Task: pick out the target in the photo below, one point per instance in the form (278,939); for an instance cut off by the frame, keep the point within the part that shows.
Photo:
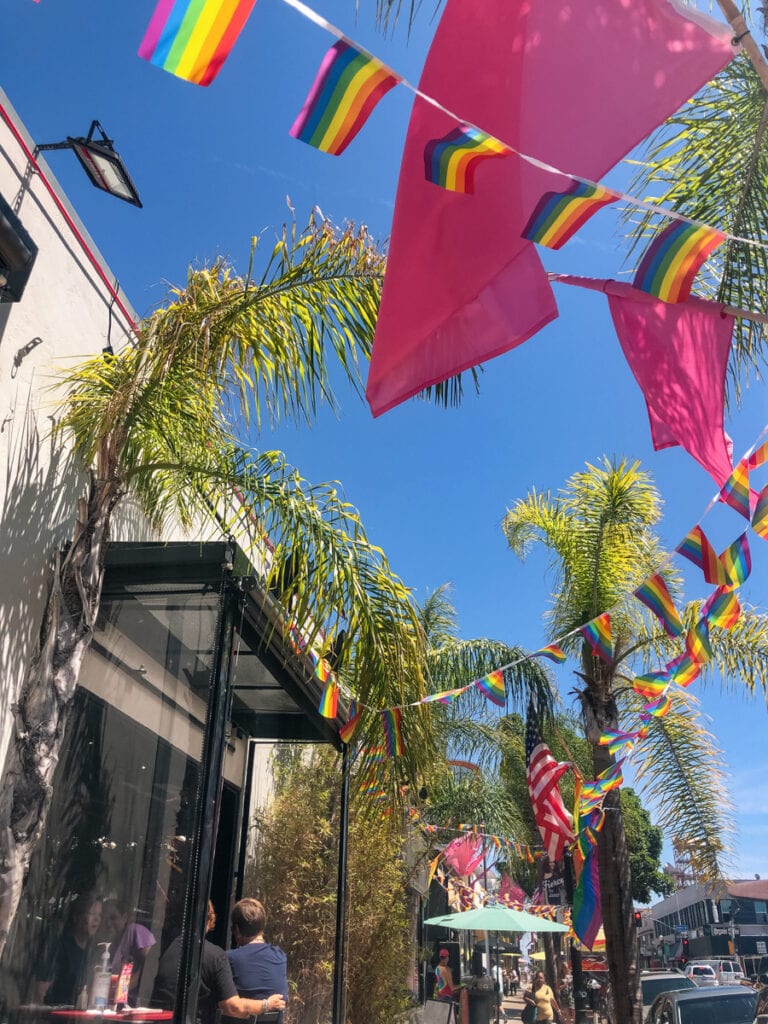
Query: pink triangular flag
(575,86)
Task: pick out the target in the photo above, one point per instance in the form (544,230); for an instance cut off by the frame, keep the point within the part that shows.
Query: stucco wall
(65,314)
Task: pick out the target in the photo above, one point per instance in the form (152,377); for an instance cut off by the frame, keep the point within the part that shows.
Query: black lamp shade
(17,255)
(105,169)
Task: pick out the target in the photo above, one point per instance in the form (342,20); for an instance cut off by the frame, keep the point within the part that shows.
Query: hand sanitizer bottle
(101,979)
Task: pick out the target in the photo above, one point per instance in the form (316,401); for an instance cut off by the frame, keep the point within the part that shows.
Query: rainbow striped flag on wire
(329,702)
(452,162)
(559,215)
(760,517)
(193,38)
(347,731)
(492,687)
(697,549)
(348,86)
(552,652)
(654,595)
(722,608)
(735,491)
(393,739)
(736,561)
(597,633)
(674,258)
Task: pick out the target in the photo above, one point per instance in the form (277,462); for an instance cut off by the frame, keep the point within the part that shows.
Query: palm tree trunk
(599,712)
(65,635)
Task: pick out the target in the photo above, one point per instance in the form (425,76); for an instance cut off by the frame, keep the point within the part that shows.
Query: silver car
(726,1004)
(702,975)
(652,983)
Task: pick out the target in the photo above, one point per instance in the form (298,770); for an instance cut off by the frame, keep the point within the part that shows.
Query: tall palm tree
(599,531)
(160,422)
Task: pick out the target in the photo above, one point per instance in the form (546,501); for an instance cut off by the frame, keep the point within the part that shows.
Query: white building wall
(66,314)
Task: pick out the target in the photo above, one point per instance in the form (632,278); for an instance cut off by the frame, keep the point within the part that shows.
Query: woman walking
(541,999)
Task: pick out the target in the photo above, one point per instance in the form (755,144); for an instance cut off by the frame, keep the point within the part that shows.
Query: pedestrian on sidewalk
(514,981)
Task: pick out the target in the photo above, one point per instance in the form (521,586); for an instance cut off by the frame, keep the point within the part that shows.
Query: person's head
(248,920)
(115,917)
(85,916)
(210,921)
(443,957)
(538,979)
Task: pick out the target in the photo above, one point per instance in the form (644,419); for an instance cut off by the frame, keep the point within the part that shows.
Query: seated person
(258,968)
(217,989)
(128,941)
(70,970)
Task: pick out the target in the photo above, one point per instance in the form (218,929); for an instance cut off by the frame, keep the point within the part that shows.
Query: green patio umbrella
(496,919)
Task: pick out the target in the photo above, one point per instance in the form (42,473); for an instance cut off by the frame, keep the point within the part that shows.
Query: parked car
(727,972)
(652,983)
(702,975)
(726,1004)
(761,1009)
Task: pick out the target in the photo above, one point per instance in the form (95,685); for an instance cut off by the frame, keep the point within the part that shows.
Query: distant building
(701,921)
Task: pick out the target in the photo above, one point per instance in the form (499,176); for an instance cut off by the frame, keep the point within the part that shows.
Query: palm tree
(599,531)
(160,422)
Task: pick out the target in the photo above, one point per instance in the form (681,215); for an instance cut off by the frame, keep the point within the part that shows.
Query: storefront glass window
(113,863)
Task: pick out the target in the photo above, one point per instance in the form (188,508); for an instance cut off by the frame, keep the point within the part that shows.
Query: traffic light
(684,956)
(638,919)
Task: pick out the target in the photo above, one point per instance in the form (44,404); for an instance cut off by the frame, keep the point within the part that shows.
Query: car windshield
(652,986)
(726,1009)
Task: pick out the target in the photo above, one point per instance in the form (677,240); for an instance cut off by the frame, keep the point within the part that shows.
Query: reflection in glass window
(113,863)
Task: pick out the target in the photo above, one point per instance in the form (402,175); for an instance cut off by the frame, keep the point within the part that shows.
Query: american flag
(543,773)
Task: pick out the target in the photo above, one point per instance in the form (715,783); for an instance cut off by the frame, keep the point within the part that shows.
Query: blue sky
(214,166)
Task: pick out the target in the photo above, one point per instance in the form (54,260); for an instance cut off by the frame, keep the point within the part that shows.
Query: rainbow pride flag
(452,161)
(445,696)
(737,561)
(684,669)
(697,549)
(652,684)
(492,687)
(193,38)
(616,740)
(674,258)
(347,731)
(348,86)
(391,720)
(559,215)
(329,702)
(722,608)
(597,633)
(654,595)
(735,490)
(758,456)
(659,708)
(553,652)
(760,517)
(697,643)
(587,916)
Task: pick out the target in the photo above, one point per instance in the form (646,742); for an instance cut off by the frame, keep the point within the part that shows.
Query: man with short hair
(258,968)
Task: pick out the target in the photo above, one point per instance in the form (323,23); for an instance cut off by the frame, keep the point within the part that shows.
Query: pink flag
(464,854)
(678,355)
(574,85)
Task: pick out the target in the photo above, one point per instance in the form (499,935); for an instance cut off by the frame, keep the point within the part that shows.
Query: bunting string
(599,190)
(721,609)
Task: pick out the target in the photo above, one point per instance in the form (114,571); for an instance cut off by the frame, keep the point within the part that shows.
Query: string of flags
(193,38)
(726,571)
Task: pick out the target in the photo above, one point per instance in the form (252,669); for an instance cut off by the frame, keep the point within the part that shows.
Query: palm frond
(438,616)
(459,662)
(681,774)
